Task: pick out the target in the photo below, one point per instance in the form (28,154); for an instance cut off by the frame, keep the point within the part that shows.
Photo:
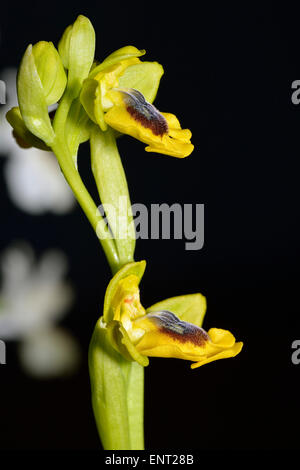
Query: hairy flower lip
(177,329)
(162,135)
(143,111)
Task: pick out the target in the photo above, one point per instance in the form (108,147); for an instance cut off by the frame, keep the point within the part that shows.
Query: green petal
(136,268)
(120,340)
(90,98)
(144,77)
(124,53)
(190,308)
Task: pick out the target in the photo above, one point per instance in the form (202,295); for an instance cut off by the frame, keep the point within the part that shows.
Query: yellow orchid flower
(138,334)
(119,92)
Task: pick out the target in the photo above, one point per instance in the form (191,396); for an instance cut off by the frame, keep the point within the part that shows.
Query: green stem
(117,384)
(72,176)
(135,404)
(87,204)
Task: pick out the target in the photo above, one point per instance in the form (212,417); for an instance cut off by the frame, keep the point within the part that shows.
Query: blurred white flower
(50,353)
(34,180)
(34,297)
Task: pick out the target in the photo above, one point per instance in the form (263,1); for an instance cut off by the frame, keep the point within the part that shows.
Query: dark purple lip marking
(183,331)
(143,112)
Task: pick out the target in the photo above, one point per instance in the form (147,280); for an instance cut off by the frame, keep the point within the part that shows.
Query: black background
(228,76)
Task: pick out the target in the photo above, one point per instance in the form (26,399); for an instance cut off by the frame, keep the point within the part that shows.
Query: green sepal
(32,100)
(137,268)
(190,308)
(127,52)
(14,118)
(144,77)
(117,394)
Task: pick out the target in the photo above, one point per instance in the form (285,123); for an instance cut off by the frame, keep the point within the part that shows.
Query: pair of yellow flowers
(119,93)
(171,328)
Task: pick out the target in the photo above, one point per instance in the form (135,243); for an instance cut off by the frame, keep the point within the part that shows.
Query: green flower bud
(51,71)
(77,49)
(22,135)
(41,81)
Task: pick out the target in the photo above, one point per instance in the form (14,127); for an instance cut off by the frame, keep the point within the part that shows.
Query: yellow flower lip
(143,112)
(165,335)
(133,115)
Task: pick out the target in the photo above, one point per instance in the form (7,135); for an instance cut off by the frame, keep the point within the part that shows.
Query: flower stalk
(86,202)
(112,186)
(117,394)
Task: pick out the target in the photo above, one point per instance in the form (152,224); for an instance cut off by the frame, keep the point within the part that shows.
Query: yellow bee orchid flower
(138,334)
(119,92)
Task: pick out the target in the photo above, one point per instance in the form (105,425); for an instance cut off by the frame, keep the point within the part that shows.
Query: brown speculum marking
(183,331)
(144,113)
